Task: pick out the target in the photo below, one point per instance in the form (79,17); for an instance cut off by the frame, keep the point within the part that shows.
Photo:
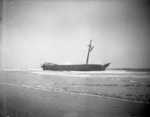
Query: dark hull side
(80,67)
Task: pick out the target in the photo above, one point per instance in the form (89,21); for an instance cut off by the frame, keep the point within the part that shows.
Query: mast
(89,50)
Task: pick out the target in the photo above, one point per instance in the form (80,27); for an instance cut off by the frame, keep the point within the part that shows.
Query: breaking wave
(101,74)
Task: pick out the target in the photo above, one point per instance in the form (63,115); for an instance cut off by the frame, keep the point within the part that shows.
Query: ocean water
(121,84)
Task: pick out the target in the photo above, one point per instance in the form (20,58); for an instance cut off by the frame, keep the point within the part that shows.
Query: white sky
(36,31)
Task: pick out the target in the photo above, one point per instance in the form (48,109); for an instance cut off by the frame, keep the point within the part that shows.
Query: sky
(58,31)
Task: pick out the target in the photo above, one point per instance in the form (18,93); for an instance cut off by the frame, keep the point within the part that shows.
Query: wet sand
(18,101)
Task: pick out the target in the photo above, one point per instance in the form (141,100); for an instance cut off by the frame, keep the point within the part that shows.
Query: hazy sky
(36,31)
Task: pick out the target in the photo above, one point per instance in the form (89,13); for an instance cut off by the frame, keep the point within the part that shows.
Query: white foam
(62,74)
(20,69)
(99,74)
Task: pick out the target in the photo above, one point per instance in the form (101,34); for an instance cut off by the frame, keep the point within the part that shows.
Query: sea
(119,84)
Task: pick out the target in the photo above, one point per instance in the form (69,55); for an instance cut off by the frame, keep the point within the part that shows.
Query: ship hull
(77,67)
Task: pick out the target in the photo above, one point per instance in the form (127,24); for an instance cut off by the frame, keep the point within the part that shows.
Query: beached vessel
(76,67)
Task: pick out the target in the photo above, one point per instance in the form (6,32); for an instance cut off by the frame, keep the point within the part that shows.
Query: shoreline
(29,102)
(75,93)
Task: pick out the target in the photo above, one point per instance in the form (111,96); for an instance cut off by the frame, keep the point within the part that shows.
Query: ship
(76,67)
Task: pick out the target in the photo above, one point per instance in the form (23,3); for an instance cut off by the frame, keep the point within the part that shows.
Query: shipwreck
(76,67)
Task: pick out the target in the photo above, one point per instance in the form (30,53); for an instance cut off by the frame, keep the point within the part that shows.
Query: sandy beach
(25,102)
(61,94)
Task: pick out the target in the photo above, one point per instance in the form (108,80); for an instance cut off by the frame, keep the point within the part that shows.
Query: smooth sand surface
(18,101)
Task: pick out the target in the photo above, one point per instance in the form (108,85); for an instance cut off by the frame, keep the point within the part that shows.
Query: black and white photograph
(74,58)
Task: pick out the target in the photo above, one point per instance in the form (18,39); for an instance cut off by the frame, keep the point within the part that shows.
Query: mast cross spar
(89,50)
